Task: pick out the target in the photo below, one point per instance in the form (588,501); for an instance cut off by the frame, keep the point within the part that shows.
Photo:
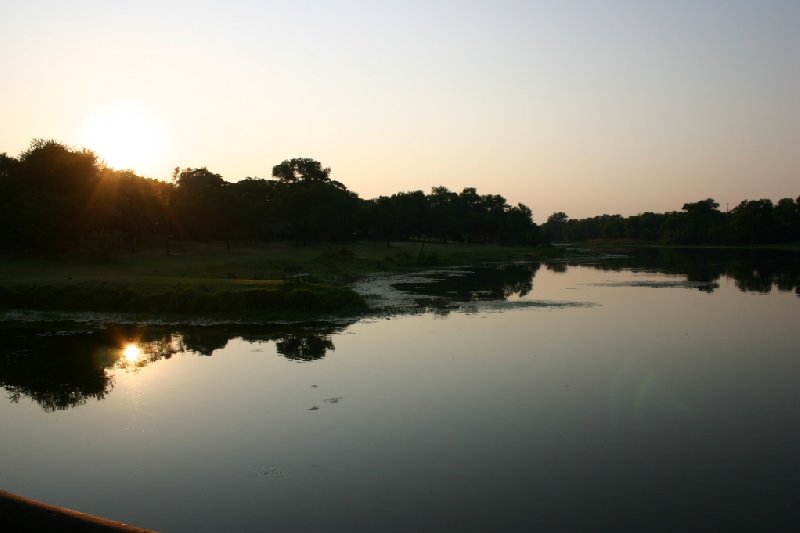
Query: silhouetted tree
(56,198)
(554,227)
(251,210)
(443,218)
(55,184)
(753,222)
(9,202)
(700,222)
(301,170)
(518,226)
(199,204)
(409,214)
(310,204)
(787,220)
(645,226)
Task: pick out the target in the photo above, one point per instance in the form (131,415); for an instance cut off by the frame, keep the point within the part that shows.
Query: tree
(495,210)
(444,219)
(699,223)
(200,203)
(753,222)
(9,201)
(554,227)
(518,227)
(252,213)
(8,166)
(310,204)
(411,212)
(301,170)
(56,183)
(199,180)
(787,218)
(645,226)
(140,205)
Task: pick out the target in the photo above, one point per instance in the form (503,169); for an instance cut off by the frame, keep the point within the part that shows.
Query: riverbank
(269,281)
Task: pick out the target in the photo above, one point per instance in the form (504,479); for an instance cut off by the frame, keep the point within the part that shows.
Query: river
(649,390)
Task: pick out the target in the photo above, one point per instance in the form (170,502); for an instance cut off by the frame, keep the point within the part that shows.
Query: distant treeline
(54,198)
(750,222)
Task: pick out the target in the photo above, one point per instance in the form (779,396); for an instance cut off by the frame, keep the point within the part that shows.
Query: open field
(275,279)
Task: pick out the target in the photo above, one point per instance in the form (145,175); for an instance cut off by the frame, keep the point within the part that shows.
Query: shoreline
(214,286)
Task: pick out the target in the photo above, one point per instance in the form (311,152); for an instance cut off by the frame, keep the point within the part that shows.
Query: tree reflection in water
(60,367)
(751,270)
(304,346)
(480,283)
(56,371)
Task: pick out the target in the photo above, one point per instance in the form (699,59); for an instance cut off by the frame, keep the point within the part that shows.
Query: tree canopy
(56,198)
(751,222)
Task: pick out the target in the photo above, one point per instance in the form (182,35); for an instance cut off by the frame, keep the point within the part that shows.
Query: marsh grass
(206,279)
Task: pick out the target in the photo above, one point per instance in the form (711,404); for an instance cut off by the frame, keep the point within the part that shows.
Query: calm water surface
(651,393)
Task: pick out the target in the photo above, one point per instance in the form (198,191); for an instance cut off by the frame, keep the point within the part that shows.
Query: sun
(126,136)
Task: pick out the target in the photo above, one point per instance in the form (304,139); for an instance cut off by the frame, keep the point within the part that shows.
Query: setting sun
(126,136)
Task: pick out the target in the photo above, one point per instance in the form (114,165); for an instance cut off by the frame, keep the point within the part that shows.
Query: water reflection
(438,292)
(204,341)
(305,346)
(752,270)
(64,367)
(131,352)
(57,371)
(59,366)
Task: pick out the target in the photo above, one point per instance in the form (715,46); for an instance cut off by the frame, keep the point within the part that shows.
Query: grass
(206,279)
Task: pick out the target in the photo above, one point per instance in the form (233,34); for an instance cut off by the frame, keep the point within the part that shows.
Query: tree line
(54,198)
(751,222)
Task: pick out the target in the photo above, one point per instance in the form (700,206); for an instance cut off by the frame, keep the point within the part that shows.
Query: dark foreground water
(651,393)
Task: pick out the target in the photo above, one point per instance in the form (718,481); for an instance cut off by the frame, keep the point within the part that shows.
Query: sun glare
(126,136)
(131,353)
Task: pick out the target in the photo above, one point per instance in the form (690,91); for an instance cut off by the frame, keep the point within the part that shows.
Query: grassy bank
(209,279)
(203,297)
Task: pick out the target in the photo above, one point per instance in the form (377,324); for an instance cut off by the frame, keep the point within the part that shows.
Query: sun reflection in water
(132,352)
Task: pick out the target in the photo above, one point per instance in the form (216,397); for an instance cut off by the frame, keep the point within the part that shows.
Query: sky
(586,107)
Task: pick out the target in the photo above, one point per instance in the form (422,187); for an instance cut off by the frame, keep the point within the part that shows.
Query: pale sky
(587,107)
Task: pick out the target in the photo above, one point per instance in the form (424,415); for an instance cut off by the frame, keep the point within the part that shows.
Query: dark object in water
(18,513)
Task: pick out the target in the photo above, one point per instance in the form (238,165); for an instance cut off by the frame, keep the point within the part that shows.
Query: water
(656,392)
